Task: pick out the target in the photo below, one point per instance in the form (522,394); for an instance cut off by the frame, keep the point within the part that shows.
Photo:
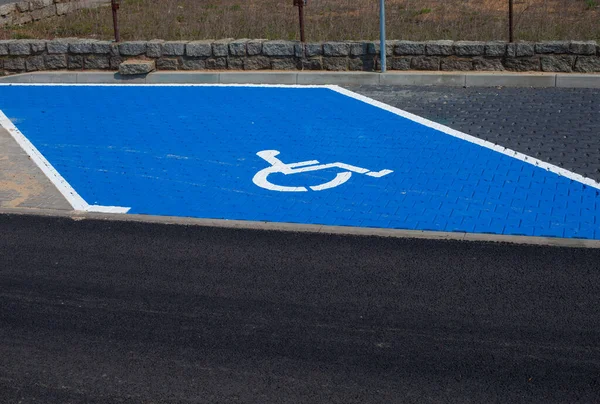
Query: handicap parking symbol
(277,166)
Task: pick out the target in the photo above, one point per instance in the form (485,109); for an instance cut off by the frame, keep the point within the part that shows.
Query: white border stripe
(483,143)
(76,201)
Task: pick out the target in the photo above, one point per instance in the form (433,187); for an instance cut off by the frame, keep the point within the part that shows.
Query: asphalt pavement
(123,312)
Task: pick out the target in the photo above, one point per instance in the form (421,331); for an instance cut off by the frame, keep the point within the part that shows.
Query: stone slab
(258,78)
(182,78)
(510,80)
(108,78)
(54,77)
(338,78)
(578,80)
(423,79)
(135,67)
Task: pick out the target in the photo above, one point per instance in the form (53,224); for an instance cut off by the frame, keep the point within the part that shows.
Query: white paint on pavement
(277,166)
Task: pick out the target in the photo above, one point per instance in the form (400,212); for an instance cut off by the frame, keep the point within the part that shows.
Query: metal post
(115,7)
(382,48)
(510,21)
(301,14)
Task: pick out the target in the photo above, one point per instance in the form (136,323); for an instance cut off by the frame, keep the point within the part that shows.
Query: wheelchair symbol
(277,166)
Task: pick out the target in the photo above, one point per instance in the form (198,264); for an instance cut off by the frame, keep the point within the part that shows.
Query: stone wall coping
(343,48)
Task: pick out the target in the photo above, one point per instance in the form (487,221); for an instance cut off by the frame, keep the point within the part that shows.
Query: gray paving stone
(20,47)
(238,47)
(520,49)
(559,47)
(495,49)
(221,48)
(167,64)
(81,47)
(55,62)
(278,48)
(154,48)
(4,47)
(136,67)
(583,47)
(359,49)
(469,48)
(134,48)
(456,65)
(335,63)
(174,48)
(562,63)
(523,64)
(487,64)
(409,48)
(402,63)
(199,49)
(101,47)
(425,63)
(97,62)
(313,49)
(336,49)
(58,46)
(587,64)
(257,63)
(439,48)
(38,46)
(254,47)
(34,63)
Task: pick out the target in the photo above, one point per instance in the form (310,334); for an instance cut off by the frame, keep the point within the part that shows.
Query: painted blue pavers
(287,154)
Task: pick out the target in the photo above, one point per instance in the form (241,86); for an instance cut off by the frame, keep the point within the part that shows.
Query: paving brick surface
(558,126)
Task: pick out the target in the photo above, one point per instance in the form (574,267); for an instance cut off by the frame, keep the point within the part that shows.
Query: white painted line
(106,209)
(472,139)
(76,201)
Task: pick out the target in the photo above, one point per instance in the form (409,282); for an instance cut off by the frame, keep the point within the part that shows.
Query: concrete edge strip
(491,79)
(306,228)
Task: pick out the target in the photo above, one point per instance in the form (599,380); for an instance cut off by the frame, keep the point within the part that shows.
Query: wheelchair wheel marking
(277,166)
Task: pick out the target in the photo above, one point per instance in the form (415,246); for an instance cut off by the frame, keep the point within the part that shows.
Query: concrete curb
(309,228)
(470,79)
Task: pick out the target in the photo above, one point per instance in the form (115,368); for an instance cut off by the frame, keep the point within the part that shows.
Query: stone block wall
(18,56)
(24,11)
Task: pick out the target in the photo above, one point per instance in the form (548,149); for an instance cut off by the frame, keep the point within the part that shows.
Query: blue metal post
(382,49)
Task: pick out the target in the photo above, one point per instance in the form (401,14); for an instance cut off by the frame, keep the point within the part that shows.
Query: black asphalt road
(122,312)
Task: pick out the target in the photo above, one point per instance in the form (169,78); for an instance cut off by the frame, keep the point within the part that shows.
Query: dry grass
(326,20)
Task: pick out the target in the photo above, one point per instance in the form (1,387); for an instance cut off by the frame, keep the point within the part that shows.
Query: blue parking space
(299,155)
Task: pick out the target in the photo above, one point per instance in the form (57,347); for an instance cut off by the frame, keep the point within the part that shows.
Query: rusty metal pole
(115,7)
(382,46)
(301,16)
(510,21)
